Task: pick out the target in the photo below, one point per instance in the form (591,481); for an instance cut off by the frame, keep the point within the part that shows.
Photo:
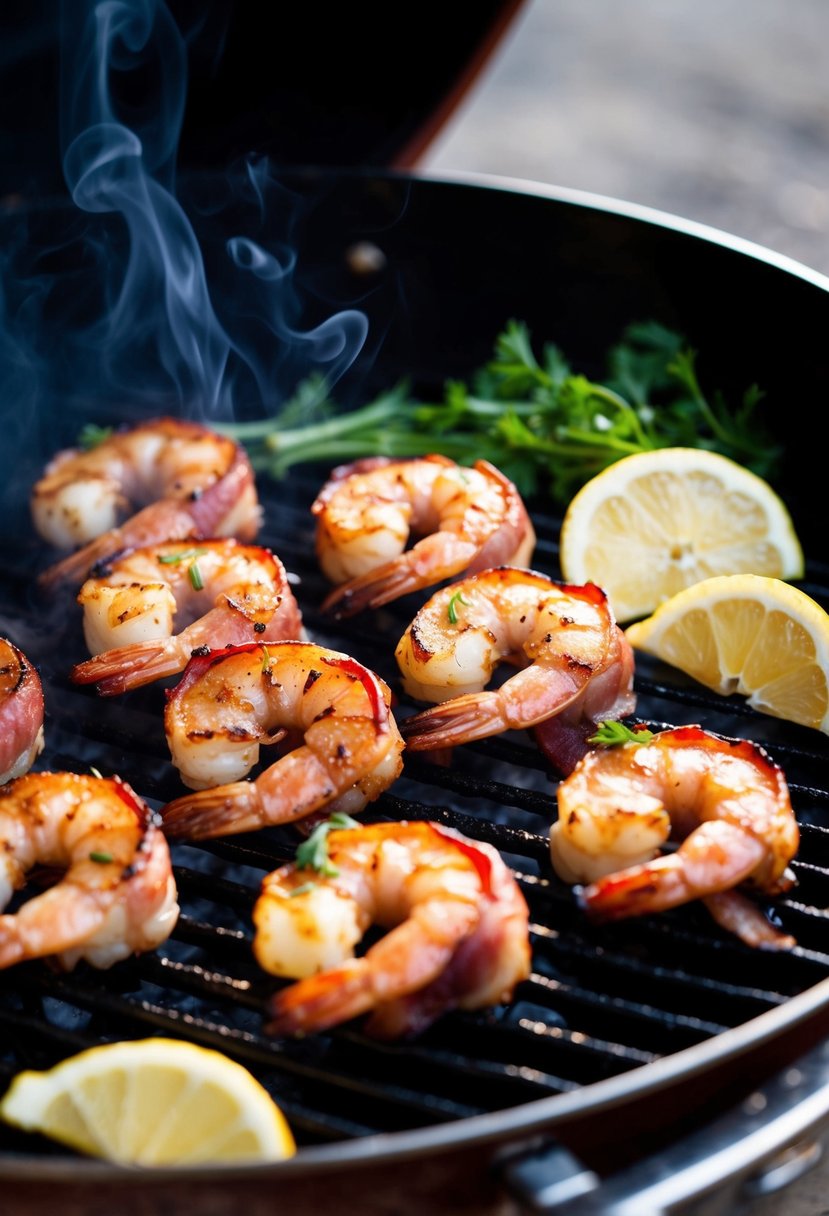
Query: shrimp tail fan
(125,667)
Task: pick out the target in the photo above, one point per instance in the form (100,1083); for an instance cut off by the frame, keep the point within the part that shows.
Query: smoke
(108,311)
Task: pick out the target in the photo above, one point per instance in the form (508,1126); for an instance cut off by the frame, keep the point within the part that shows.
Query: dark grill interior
(601,1000)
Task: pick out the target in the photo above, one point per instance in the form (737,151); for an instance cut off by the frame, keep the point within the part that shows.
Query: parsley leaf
(312,854)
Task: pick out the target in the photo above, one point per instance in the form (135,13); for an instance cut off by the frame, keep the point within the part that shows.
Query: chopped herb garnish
(451,610)
(96,772)
(92,436)
(102,858)
(304,889)
(611,734)
(266,660)
(196,580)
(312,854)
(186,555)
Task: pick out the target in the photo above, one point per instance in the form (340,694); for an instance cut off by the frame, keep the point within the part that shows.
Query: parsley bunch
(545,425)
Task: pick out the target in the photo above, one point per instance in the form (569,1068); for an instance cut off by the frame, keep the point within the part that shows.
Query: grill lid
(305,84)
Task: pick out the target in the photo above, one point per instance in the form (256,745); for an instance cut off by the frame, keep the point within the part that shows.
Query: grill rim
(538,1115)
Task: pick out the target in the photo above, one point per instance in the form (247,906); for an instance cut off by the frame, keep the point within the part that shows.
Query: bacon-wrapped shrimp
(458,936)
(724,799)
(224,593)
(570,653)
(117,896)
(21,712)
(229,702)
(467,519)
(181,479)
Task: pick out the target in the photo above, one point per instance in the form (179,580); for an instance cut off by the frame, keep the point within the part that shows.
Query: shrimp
(468,518)
(459,930)
(188,480)
(724,799)
(563,639)
(118,895)
(229,592)
(230,701)
(21,712)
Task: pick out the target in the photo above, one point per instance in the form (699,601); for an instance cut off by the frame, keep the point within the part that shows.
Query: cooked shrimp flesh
(563,639)
(224,594)
(724,800)
(331,710)
(21,712)
(117,896)
(458,930)
(466,519)
(165,479)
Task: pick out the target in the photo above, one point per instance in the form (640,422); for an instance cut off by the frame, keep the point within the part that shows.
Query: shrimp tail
(475,715)
(321,1001)
(434,558)
(75,567)
(370,590)
(739,915)
(125,667)
(178,525)
(225,809)
(478,715)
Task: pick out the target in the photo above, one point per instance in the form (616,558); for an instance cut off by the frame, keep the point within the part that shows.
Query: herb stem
(542,424)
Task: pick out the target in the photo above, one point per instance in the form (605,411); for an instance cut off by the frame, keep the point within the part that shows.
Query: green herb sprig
(547,426)
(452,609)
(92,436)
(312,854)
(194,574)
(612,734)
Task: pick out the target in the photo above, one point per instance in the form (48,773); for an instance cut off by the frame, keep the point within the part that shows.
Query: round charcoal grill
(616,1025)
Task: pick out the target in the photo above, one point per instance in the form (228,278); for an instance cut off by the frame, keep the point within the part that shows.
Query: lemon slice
(748,634)
(656,522)
(152,1102)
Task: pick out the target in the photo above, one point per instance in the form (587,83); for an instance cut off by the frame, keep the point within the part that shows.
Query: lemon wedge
(152,1102)
(747,634)
(656,522)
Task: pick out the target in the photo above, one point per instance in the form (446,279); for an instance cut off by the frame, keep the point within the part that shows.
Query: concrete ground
(715,110)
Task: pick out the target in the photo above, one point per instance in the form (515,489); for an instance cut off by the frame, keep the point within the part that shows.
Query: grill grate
(600,1001)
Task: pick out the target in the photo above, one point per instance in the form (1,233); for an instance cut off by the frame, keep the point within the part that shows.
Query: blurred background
(715,110)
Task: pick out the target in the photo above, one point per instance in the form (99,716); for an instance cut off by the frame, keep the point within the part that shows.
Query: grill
(626,1037)
(601,1001)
